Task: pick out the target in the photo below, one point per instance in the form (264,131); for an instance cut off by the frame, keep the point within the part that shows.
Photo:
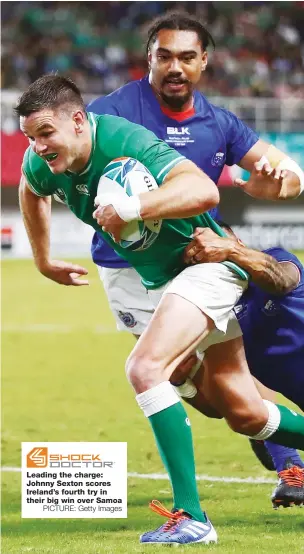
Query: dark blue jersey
(273,332)
(211,138)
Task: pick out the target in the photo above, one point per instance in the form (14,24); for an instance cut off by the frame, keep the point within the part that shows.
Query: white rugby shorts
(128,298)
(214,289)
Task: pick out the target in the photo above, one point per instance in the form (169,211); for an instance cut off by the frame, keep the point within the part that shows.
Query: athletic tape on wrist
(127,208)
(291,165)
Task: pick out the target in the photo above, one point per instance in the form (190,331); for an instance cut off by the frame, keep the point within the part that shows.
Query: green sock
(173,435)
(291,429)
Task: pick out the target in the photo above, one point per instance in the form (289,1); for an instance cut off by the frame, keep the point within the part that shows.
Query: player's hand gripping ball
(121,179)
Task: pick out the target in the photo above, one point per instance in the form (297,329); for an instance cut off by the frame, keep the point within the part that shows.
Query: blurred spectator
(259,46)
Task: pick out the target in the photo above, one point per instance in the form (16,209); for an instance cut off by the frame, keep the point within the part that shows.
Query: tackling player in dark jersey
(271,316)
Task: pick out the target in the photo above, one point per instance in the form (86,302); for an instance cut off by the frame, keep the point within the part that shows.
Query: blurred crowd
(101,45)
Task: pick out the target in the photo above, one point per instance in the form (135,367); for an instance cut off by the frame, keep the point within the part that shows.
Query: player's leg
(165,341)
(280,456)
(128,298)
(259,447)
(290,468)
(286,461)
(226,377)
(177,326)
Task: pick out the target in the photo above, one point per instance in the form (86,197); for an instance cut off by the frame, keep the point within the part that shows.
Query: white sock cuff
(273,422)
(158,398)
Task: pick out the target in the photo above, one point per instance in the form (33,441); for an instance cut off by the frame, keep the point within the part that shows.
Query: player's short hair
(49,91)
(179,21)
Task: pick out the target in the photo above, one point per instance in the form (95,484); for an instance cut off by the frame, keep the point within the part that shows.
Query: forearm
(264,270)
(184,195)
(36,212)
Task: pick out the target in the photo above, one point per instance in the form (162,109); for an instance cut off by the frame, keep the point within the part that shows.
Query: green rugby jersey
(115,137)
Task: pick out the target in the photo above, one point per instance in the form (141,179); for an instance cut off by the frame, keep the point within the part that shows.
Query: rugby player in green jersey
(67,155)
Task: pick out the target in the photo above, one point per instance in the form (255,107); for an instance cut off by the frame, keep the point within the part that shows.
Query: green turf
(68,384)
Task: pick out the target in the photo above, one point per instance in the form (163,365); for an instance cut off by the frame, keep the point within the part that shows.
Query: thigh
(194,304)
(214,288)
(128,298)
(227,381)
(177,326)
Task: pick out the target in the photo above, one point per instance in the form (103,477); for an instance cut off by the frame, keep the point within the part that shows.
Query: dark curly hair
(179,21)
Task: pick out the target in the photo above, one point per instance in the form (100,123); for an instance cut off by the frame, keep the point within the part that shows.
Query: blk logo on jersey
(218,159)
(178,131)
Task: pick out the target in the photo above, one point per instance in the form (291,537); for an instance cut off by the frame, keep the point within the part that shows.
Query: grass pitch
(63,380)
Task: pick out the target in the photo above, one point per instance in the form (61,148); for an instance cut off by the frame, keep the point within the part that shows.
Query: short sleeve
(239,137)
(282,255)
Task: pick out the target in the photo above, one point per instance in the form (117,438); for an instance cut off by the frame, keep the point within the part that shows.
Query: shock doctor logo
(39,457)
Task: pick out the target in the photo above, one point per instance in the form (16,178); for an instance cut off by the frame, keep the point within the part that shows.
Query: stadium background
(62,359)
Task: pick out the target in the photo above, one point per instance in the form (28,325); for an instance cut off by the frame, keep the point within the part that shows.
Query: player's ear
(149,59)
(204,60)
(79,119)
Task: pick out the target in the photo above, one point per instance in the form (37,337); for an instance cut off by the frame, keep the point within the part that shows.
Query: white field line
(56,328)
(164,477)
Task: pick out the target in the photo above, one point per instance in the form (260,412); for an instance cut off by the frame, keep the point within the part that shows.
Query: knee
(142,371)
(248,421)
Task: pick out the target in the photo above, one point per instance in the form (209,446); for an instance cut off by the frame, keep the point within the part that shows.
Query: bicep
(291,274)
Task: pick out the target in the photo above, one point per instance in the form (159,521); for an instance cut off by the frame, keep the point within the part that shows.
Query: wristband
(127,208)
(291,165)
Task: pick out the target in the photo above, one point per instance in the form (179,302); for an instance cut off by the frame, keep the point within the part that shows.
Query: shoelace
(294,476)
(173,517)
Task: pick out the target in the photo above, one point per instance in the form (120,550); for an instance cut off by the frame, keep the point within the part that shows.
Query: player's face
(54,136)
(176,60)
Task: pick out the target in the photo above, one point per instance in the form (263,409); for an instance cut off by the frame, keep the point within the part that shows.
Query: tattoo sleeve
(275,277)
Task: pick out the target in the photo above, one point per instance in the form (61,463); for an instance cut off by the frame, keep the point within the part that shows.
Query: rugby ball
(125,177)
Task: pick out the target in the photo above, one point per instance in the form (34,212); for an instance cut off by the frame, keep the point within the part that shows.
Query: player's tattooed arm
(275,277)
(36,212)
